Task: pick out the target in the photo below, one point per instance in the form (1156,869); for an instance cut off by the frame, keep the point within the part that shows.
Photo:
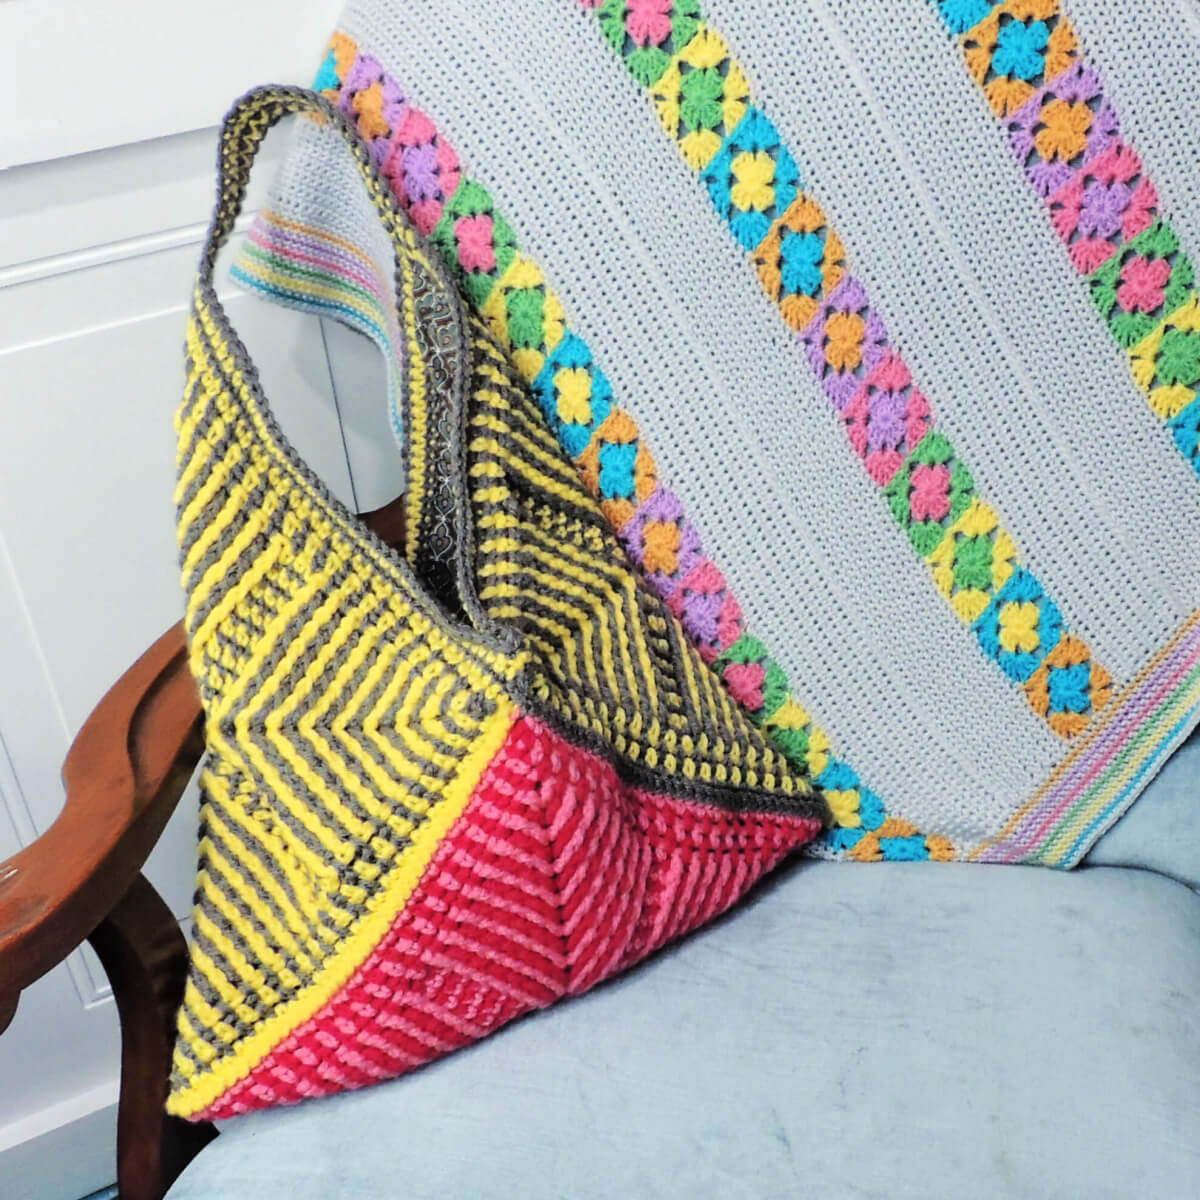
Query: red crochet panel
(556,876)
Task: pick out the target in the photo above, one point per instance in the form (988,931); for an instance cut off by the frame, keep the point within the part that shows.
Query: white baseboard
(62,1152)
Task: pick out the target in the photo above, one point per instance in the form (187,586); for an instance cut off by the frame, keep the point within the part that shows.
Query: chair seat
(892,1030)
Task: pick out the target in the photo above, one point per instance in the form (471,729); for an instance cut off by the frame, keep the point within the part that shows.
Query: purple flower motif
(1103,206)
(886,426)
(420,172)
(700,613)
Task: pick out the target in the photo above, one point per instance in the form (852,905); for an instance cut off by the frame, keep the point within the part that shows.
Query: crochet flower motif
(703,92)
(802,255)
(961,15)
(649,21)
(753,677)
(1103,206)
(1143,283)
(973,561)
(1064,132)
(1020,48)
(1019,627)
(574,388)
(1179,358)
(745,684)
(844,340)
(754,171)
(1069,687)
(929,498)
(476,252)
(707,611)
(662,541)
(660,547)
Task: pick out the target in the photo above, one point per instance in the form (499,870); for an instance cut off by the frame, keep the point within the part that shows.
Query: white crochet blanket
(873,326)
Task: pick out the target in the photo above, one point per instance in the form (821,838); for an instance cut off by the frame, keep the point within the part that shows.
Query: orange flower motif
(844,341)
(661,552)
(1064,130)
(368,107)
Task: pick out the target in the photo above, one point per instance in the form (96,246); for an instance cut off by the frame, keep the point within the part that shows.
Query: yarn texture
(441,790)
(850,318)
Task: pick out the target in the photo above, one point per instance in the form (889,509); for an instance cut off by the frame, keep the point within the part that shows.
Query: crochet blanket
(875,330)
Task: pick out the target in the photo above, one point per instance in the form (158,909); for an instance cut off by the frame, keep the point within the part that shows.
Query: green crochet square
(930,492)
(1142,283)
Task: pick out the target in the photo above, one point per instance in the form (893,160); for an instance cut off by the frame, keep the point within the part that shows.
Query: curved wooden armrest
(82,878)
(124,774)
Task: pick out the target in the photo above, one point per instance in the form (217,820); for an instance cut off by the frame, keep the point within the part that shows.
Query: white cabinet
(97,249)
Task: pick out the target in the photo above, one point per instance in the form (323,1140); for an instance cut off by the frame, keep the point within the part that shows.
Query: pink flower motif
(475,249)
(730,625)
(416,129)
(1142,283)
(745,684)
(930,495)
(649,21)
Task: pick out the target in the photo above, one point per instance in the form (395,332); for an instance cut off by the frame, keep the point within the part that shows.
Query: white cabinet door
(98,243)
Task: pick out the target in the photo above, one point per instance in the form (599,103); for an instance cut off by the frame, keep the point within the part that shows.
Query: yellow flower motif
(1065,130)
(818,751)
(1018,627)
(754,171)
(844,807)
(574,388)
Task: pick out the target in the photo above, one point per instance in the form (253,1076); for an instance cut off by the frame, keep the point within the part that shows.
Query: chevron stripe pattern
(439,791)
(612,661)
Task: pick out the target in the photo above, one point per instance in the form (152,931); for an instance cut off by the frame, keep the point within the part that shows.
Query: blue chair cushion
(893,1030)
(1161,832)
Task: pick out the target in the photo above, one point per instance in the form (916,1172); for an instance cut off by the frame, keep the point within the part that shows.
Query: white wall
(99,231)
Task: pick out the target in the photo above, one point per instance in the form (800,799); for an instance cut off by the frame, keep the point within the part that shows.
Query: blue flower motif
(1019,49)
(617,461)
(842,841)
(801,254)
(1070,688)
(961,15)
(903,849)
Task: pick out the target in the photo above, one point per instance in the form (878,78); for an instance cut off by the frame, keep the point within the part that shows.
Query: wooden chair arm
(124,774)
(82,878)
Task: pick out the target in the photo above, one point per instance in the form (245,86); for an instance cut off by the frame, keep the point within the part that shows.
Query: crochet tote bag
(444,790)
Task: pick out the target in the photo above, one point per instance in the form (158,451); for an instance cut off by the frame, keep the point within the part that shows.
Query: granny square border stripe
(1065,132)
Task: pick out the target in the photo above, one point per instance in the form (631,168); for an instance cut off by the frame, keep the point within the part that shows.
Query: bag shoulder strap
(230,447)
